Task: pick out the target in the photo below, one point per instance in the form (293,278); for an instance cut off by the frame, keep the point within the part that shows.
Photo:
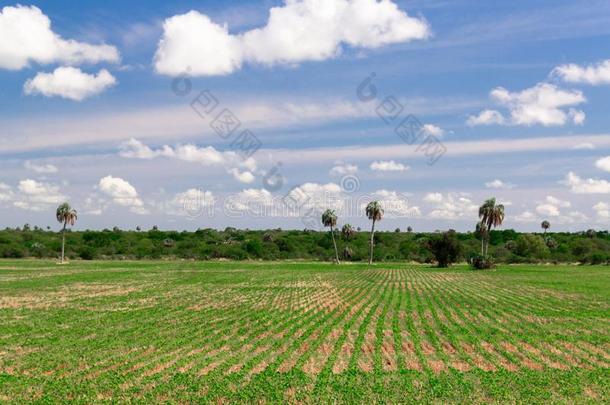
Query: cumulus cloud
(603,164)
(596,74)
(451,206)
(297,31)
(43,169)
(499,185)
(551,206)
(579,185)
(192,202)
(395,205)
(388,166)
(6,192)
(242,176)
(486,117)
(525,217)
(433,130)
(602,210)
(70,83)
(544,104)
(37,196)
(342,169)
(206,156)
(26,36)
(122,193)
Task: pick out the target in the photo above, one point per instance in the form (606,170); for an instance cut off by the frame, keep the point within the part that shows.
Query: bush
(446,248)
(479,262)
(532,246)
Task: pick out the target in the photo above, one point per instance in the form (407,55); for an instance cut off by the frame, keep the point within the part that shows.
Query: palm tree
(374,212)
(347,232)
(545,225)
(66,215)
(492,215)
(329,218)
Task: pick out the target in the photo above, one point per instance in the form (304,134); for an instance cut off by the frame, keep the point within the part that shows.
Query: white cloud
(243,177)
(37,196)
(122,193)
(548,209)
(525,217)
(70,83)
(45,169)
(542,104)
(486,117)
(297,31)
(433,130)
(551,206)
(207,156)
(433,197)
(579,185)
(342,169)
(388,166)
(597,74)
(451,206)
(192,202)
(603,164)
(584,146)
(314,198)
(499,185)
(395,205)
(6,193)
(255,202)
(602,210)
(577,116)
(26,36)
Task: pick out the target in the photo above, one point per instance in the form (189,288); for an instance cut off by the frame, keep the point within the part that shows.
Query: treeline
(506,246)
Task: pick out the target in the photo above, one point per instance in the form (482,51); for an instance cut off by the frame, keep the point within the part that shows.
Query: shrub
(446,248)
(532,246)
(479,262)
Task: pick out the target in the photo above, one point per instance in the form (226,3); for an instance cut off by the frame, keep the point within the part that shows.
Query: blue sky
(515,94)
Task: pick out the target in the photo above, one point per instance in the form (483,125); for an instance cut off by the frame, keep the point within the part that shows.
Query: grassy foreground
(284,332)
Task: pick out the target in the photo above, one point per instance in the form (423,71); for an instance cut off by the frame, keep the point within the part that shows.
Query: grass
(302,332)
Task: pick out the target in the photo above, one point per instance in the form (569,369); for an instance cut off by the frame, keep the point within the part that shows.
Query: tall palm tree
(329,218)
(66,215)
(347,232)
(545,225)
(492,215)
(374,212)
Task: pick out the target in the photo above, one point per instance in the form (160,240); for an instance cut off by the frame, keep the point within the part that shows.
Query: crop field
(302,333)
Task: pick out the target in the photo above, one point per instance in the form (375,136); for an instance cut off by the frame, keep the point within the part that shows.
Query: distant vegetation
(505,246)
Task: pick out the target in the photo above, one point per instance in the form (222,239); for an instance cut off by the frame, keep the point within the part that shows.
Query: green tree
(446,248)
(532,247)
(329,218)
(66,215)
(492,215)
(374,212)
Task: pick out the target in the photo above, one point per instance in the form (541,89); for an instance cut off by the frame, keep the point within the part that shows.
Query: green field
(302,332)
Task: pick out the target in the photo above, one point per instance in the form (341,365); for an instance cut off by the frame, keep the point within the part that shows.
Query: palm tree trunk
(63,242)
(332,234)
(372,242)
(482,245)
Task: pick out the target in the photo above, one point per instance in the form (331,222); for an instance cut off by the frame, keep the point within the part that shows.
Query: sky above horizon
(196,114)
